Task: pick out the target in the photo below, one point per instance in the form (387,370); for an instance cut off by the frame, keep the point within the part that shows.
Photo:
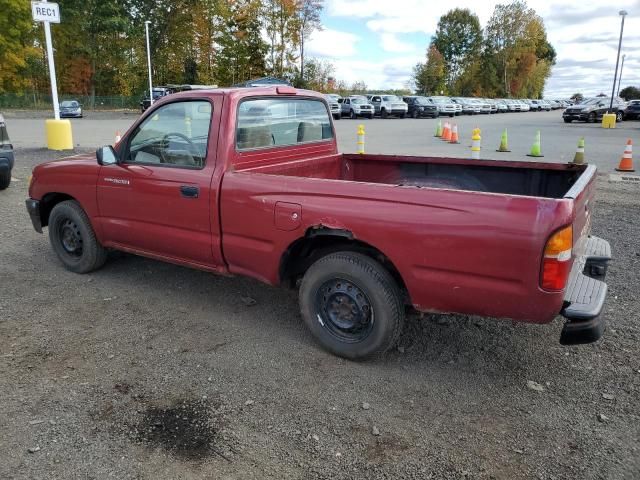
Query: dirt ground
(150,371)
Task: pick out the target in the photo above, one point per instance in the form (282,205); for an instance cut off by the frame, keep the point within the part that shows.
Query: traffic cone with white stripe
(454,134)
(446,133)
(578,159)
(626,162)
(438,132)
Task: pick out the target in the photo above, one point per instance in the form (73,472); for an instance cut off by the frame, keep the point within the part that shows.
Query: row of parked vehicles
(415,106)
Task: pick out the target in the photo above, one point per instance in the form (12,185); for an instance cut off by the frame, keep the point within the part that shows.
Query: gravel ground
(148,370)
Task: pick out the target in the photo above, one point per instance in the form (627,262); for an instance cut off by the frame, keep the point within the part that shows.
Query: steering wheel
(180,135)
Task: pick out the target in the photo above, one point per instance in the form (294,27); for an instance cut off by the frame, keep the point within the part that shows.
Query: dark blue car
(6,156)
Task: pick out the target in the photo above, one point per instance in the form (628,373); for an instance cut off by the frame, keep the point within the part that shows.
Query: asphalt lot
(147,370)
(604,147)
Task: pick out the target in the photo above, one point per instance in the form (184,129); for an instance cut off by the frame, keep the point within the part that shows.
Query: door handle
(189,191)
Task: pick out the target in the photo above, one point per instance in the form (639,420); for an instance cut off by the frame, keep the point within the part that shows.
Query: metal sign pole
(52,71)
(146,27)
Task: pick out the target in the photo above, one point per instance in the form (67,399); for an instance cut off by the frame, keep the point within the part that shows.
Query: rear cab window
(279,122)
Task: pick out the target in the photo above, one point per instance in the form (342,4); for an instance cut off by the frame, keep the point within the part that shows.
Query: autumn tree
(430,77)
(516,45)
(308,20)
(280,22)
(458,38)
(317,74)
(17,47)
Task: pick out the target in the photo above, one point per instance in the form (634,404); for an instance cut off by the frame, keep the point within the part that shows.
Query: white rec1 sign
(45,12)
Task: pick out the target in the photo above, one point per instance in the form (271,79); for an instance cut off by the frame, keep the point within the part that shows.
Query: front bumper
(33,207)
(585,295)
(576,116)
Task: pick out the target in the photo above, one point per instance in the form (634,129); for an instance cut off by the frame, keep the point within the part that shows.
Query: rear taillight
(556,263)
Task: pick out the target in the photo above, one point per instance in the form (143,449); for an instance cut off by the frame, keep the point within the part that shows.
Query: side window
(281,122)
(375,99)
(347,101)
(174,135)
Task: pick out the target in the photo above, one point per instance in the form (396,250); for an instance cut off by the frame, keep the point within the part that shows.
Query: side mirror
(106,155)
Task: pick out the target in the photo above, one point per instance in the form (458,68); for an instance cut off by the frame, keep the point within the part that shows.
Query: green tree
(317,74)
(280,23)
(577,97)
(630,93)
(16,44)
(430,77)
(458,38)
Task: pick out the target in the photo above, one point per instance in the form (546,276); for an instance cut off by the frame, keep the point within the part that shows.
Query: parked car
(386,105)
(513,105)
(592,109)
(545,105)
(502,105)
(6,155)
(158,93)
(334,106)
(419,106)
(444,104)
(632,112)
(357,106)
(493,107)
(525,106)
(467,107)
(483,104)
(70,109)
(283,206)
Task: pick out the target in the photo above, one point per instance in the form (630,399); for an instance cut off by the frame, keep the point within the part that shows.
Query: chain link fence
(44,102)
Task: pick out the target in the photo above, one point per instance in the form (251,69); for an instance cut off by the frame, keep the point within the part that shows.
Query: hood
(74,163)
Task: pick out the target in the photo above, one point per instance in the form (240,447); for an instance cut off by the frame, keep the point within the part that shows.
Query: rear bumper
(33,207)
(586,294)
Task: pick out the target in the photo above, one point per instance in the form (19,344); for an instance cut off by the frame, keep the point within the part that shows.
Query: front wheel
(619,116)
(592,117)
(384,114)
(352,305)
(567,120)
(73,239)
(352,115)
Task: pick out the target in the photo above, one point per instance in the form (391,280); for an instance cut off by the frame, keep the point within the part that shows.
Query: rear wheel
(592,117)
(5,178)
(414,114)
(73,239)
(619,116)
(352,115)
(352,305)
(383,113)
(568,120)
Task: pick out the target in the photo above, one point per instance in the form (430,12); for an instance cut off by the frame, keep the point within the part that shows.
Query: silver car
(445,105)
(334,106)
(386,105)
(357,106)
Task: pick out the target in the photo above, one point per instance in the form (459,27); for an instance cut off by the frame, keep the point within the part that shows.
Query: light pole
(622,13)
(620,77)
(146,28)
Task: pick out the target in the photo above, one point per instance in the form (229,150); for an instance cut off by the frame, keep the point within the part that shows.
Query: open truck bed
(464,236)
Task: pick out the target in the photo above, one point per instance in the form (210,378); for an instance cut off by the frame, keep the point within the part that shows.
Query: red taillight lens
(556,264)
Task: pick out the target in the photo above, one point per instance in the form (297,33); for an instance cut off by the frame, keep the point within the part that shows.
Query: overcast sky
(379,41)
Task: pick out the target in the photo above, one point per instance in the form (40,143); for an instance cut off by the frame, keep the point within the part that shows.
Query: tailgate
(582,193)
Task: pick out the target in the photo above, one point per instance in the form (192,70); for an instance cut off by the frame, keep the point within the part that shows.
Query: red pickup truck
(250,182)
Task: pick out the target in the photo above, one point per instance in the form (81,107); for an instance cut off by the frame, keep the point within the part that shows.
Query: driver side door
(157,200)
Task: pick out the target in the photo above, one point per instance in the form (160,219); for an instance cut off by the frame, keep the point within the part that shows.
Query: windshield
(438,100)
(390,98)
(591,101)
(69,104)
(359,101)
(422,101)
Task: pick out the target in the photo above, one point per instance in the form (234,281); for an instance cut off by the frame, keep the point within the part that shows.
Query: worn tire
(5,178)
(383,297)
(69,217)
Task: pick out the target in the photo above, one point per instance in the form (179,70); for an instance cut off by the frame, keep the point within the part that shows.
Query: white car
(445,105)
(356,106)
(334,106)
(386,105)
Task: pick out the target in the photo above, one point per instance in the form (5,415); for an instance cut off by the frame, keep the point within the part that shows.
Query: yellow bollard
(609,120)
(361,138)
(475,144)
(59,135)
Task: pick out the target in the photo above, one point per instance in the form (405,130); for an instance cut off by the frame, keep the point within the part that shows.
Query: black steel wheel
(73,239)
(592,117)
(352,305)
(619,116)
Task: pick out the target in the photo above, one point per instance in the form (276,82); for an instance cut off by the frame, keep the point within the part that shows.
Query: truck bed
(505,177)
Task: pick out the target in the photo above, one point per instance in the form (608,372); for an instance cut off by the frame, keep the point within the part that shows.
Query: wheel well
(49,201)
(318,243)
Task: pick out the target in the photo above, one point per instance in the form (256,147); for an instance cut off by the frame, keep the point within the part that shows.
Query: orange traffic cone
(454,134)
(118,137)
(446,133)
(626,162)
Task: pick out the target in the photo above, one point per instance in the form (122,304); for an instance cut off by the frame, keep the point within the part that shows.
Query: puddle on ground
(184,429)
